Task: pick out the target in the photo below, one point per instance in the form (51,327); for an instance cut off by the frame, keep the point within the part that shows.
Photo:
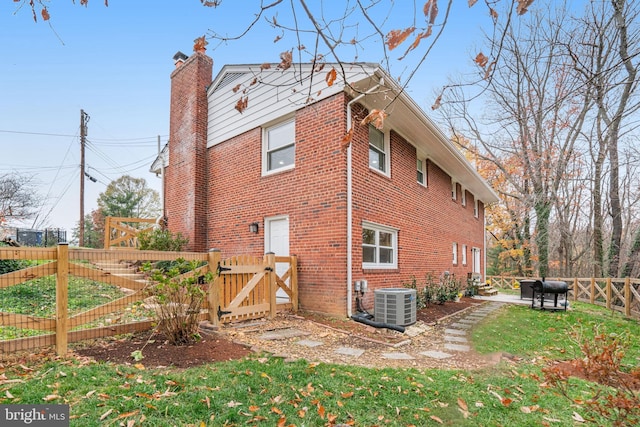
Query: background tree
(18,198)
(533,115)
(606,58)
(93,230)
(401,34)
(130,198)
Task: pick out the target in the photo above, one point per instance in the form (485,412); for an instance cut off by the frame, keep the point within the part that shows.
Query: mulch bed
(215,348)
(158,352)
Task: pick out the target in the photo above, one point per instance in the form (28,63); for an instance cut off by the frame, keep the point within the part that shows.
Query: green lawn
(262,390)
(38,298)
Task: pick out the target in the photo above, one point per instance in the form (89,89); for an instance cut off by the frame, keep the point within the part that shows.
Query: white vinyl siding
(268,100)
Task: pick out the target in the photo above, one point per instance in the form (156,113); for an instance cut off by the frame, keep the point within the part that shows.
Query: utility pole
(84,119)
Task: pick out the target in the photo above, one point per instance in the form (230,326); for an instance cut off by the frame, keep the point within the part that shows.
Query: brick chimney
(186,174)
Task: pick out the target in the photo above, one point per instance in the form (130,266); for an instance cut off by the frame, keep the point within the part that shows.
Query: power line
(36,133)
(101,141)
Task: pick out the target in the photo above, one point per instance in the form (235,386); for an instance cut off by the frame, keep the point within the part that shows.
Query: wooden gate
(246,287)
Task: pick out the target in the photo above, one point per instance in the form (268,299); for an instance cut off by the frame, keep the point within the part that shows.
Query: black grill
(545,289)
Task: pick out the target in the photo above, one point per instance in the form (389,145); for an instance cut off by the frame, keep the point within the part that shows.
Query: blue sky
(114,62)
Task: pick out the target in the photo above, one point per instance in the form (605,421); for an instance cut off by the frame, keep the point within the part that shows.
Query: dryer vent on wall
(396,306)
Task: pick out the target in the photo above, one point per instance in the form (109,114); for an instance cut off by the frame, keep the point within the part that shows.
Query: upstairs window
(475,207)
(378,151)
(279,147)
(379,246)
(454,193)
(421,175)
(463,196)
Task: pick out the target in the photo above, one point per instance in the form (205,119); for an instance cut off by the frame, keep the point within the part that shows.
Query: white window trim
(476,211)
(394,243)
(476,260)
(386,139)
(463,196)
(454,190)
(265,142)
(455,253)
(424,173)
(464,254)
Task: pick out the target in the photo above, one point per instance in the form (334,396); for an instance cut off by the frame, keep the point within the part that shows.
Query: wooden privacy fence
(622,295)
(243,287)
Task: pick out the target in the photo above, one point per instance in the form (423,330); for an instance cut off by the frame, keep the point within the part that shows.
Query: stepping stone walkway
(436,354)
(350,351)
(282,334)
(309,343)
(398,356)
(454,337)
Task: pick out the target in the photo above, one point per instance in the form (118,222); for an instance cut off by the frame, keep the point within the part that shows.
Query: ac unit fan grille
(395,306)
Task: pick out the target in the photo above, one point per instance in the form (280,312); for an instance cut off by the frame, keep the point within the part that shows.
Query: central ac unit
(395,306)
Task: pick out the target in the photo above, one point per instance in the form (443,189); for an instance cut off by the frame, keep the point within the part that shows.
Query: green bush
(179,300)
(420,301)
(446,288)
(162,240)
(9,265)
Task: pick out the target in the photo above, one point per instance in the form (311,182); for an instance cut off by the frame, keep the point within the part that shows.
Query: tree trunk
(634,257)
(543,212)
(598,239)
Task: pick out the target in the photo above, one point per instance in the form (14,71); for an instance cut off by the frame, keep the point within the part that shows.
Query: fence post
(608,292)
(627,297)
(272,284)
(214,287)
(107,232)
(62,295)
(592,297)
(576,289)
(294,283)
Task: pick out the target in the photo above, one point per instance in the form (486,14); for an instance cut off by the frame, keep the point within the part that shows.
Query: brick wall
(313,195)
(185,202)
(428,219)
(213,195)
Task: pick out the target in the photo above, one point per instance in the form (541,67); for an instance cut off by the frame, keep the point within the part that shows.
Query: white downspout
(484,250)
(350,202)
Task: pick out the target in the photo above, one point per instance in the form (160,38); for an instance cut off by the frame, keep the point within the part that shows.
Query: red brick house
(256,163)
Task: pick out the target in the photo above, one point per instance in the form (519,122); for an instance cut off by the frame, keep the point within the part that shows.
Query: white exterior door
(277,241)
(476,260)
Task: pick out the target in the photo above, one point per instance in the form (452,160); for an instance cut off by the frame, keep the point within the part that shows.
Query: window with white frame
(454,193)
(464,254)
(476,259)
(463,196)
(279,147)
(455,253)
(378,151)
(379,246)
(475,207)
(421,174)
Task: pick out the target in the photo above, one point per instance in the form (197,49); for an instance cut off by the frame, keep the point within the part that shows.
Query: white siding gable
(274,94)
